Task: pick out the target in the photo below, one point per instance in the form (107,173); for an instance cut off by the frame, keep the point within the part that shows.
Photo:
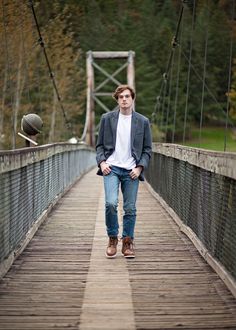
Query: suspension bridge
(53,270)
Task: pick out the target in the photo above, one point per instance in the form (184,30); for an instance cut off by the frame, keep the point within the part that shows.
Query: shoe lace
(128,244)
(113,241)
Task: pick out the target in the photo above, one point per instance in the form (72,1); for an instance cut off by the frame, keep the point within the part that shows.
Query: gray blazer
(141,141)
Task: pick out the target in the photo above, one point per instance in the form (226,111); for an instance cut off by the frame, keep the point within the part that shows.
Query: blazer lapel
(114,122)
(133,127)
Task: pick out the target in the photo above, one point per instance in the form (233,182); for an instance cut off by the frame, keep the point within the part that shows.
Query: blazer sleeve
(100,155)
(147,146)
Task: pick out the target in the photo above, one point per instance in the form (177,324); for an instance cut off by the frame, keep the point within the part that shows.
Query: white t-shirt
(122,157)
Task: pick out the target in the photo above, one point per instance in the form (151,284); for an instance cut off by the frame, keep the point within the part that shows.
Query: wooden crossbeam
(102,105)
(112,75)
(111,55)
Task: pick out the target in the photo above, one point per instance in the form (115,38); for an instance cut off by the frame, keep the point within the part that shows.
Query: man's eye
(124,96)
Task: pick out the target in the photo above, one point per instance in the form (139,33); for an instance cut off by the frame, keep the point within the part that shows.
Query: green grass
(212,138)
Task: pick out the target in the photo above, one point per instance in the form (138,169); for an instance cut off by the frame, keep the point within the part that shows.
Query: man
(123,152)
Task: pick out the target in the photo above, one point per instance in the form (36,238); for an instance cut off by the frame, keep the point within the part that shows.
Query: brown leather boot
(111,250)
(128,247)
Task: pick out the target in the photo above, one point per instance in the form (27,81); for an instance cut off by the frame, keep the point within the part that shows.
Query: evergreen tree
(71,28)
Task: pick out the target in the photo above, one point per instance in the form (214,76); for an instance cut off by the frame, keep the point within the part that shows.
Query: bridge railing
(198,187)
(31,181)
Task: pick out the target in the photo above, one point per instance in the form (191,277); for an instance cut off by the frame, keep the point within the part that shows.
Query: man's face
(125,100)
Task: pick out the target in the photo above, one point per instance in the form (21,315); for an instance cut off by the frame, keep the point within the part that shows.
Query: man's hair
(121,88)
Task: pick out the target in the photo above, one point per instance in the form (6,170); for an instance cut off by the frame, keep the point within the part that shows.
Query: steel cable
(203,83)
(51,74)
(174,43)
(229,75)
(189,72)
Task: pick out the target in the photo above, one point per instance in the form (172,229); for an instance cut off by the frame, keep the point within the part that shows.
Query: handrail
(223,163)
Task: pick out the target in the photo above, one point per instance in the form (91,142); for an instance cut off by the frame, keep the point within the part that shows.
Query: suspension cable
(189,71)
(5,80)
(174,43)
(206,86)
(229,76)
(203,81)
(163,101)
(8,78)
(38,78)
(26,67)
(169,97)
(51,74)
(177,88)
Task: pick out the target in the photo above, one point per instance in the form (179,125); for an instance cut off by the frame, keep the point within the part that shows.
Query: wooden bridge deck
(62,280)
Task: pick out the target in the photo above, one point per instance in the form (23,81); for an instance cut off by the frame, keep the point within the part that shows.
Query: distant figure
(123,152)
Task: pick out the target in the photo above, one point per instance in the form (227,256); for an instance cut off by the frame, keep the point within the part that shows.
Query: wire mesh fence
(30,181)
(205,201)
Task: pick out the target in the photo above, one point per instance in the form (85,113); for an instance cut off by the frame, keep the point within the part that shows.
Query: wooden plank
(45,287)
(170,285)
(106,298)
(177,289)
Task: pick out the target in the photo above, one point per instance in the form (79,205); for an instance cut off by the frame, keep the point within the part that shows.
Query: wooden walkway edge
(62,280)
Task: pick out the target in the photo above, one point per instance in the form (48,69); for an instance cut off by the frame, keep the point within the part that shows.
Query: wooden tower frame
(93,92)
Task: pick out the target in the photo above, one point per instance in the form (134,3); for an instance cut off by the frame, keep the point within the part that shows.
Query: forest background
(194,96)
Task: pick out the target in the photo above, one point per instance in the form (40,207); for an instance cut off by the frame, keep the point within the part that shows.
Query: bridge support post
(130,70)
(90,117)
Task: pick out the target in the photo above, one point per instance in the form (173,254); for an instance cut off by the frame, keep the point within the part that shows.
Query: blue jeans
(129,187)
